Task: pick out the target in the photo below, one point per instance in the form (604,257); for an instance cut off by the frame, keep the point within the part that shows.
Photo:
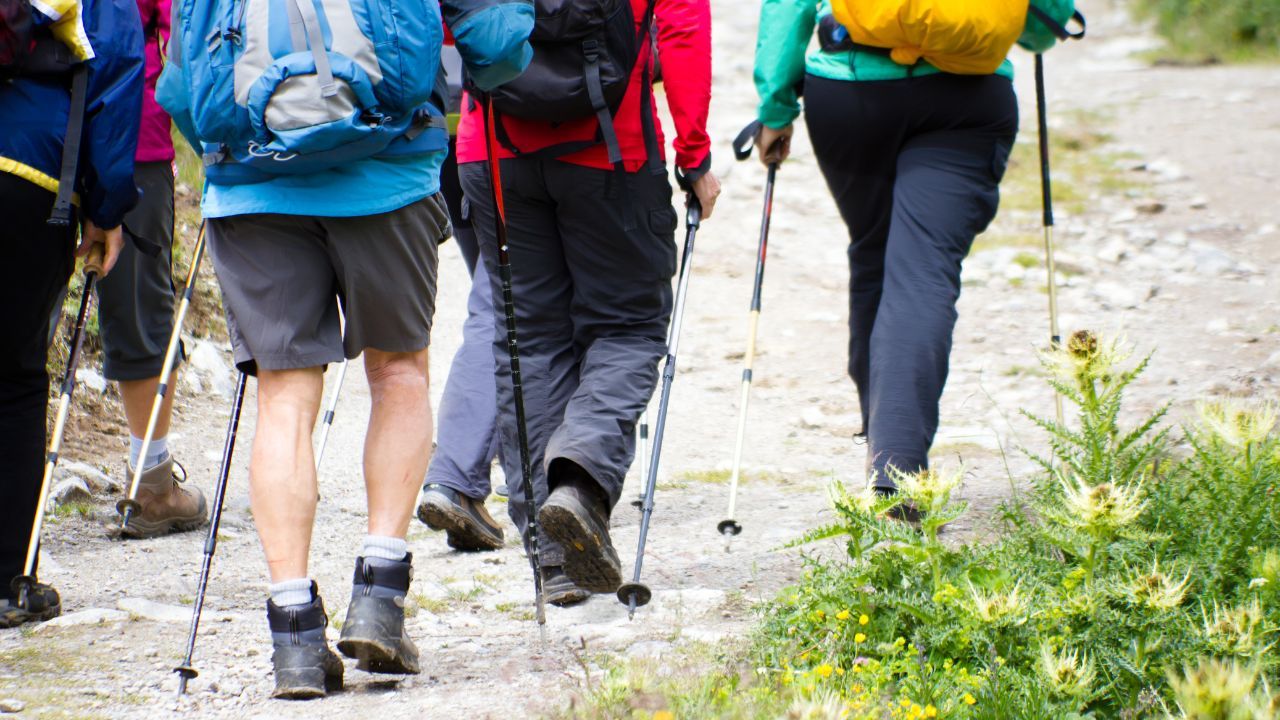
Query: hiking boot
(465,521)
(559,590)
(373,632)
(167,506)
(43,603)
(576,515)
(305,667)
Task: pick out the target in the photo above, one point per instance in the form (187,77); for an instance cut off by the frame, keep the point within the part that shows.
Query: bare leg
(138,396)
(397,447)
(282,474)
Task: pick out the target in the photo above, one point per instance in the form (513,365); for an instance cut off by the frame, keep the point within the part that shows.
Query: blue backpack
(277,87)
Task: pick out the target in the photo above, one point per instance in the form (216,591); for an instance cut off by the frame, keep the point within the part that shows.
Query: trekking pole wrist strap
(685,178)
(746,140)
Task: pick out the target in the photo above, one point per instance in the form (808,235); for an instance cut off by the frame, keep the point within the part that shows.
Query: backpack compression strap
(61,215)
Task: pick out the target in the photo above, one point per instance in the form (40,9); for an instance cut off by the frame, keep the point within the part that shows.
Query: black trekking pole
(129,505)
(1046,198)
(742,150)
(635,593)
(21,585)
(186,671)
(513,351)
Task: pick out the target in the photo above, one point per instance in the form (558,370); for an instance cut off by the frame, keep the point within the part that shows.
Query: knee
(290,392)
(396,373)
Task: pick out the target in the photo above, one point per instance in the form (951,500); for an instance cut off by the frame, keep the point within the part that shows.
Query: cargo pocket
(662,225)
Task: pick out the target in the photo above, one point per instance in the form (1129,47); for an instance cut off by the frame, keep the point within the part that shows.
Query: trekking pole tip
(185,673)
(729,528)
(21,587)
(634,595)
(127,507)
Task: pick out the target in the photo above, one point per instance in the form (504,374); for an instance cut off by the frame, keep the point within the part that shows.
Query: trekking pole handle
(693,211)
(96,260)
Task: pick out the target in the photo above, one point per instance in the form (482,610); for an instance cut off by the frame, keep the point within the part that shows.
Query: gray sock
(291,592)
(384,548)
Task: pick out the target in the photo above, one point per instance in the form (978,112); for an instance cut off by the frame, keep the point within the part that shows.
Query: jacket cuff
(685,178)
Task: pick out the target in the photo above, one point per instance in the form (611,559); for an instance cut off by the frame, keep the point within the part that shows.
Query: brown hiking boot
(167,506)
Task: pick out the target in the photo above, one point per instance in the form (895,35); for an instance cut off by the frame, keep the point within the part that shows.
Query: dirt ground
(1167,231)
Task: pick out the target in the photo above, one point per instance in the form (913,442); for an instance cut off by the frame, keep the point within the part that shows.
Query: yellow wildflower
(664,715)
(842,615)
(969,699)
(863,620)
(930,711)
(860,638)
(824,670)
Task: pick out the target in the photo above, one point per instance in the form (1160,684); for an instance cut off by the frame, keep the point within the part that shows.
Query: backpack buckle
(591,50)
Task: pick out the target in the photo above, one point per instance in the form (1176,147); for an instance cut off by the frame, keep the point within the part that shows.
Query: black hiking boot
(466,522)
(305,667)
(559,590)
(906,511)
(576,515)
(43,603)
(373,632)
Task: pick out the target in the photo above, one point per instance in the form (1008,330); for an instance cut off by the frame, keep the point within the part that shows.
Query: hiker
(913,156)
(592,250)
(458,480)
(104,37)
(348,203)
(135,310)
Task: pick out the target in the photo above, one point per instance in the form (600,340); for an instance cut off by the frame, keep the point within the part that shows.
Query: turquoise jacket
(783,57)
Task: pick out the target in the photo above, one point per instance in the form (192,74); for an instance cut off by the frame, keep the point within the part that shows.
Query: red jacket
(154,142)
(684,50)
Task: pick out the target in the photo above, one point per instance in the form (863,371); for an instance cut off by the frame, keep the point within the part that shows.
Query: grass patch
(1139,577)
(1220,30)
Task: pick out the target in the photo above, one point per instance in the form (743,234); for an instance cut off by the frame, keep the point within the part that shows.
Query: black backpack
(584,52)
(32,52)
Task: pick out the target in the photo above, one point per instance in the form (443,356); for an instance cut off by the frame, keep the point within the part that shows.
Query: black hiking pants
(592,260)
(914,166)
(38,263)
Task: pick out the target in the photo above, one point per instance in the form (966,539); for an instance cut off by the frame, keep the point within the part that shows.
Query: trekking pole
(642,451)
(635,594)
(185,670)
(1046,194)
(513,351)
(22,584)
(742,150)
(326,424)
(129,505)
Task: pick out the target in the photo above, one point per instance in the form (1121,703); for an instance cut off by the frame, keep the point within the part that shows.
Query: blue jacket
(33,113)
(492,37)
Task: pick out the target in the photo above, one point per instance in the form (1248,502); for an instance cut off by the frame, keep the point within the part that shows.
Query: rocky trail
(1168,234)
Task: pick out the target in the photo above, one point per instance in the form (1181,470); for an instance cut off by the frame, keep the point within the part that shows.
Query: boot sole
(465,532)
(374,656)
(138,529)
(307,684)
(589,558)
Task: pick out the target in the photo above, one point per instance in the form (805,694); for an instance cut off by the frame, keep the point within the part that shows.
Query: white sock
(384,548)
(291,592)
(157,452)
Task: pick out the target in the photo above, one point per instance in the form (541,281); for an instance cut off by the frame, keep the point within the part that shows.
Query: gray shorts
(135,300)
(281,274)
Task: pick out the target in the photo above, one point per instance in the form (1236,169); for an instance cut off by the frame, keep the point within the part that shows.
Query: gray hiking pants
(466,431)
(914,166)
(592,260)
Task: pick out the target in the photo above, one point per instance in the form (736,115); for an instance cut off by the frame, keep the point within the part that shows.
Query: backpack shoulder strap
(1059,29)
(61,215)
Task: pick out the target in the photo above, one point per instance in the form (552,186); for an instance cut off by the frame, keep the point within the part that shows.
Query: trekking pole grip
(96,260)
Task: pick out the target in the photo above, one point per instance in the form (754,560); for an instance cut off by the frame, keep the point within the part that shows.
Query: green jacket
(786,28)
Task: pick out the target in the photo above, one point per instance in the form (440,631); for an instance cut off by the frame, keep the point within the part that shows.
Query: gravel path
(1168,234)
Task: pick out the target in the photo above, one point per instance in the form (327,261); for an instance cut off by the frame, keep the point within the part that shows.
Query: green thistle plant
(1218,690)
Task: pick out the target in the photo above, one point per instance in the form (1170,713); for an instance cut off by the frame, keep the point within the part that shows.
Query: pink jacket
(154,141)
